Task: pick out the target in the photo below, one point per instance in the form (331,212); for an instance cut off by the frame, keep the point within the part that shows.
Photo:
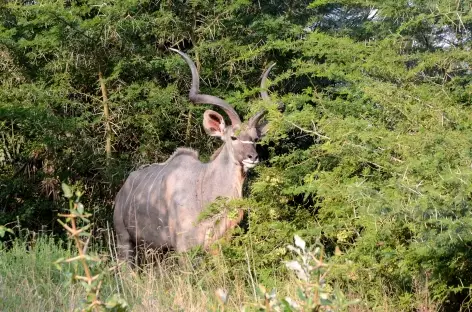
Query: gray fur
(158,206)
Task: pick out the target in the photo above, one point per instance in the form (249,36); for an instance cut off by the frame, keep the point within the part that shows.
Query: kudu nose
(253,157)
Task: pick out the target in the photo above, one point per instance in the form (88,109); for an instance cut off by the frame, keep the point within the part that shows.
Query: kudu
(159,205)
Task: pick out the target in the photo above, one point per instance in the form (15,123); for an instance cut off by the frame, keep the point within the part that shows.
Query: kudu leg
(125,247)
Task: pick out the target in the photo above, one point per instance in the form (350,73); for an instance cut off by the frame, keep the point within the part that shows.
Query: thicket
(373,152)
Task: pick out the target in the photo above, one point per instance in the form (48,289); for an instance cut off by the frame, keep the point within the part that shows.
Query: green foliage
(4,230)
(222,206)
(314,293)
(372,153)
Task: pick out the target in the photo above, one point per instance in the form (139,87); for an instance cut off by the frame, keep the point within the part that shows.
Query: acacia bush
(372,153)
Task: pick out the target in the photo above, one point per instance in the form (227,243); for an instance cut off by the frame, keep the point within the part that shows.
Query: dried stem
(106,115)
(81,252)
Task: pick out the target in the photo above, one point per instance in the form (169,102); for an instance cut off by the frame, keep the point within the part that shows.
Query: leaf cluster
(372,153)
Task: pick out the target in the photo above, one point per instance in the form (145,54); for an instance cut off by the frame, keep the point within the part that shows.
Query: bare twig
(309,131)
(106,114)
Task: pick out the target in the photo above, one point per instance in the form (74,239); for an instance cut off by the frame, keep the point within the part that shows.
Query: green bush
(372,153)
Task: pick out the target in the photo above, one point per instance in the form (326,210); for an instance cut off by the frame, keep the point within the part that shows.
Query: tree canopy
(373,152)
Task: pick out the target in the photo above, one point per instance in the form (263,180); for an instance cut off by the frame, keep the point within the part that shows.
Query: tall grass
(29,280)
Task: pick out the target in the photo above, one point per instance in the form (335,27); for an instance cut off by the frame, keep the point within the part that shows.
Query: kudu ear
(214,123)
(262,128)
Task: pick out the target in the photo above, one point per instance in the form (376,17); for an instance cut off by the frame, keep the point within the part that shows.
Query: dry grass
(30,282)
(177,283)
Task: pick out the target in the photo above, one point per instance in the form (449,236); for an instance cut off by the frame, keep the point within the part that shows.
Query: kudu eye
(234,138)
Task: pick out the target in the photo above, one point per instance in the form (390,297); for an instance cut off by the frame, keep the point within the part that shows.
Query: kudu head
(239,138)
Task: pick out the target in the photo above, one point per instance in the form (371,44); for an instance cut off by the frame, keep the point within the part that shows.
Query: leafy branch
(91,281)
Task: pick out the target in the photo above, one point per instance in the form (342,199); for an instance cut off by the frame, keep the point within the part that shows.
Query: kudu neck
(226,172)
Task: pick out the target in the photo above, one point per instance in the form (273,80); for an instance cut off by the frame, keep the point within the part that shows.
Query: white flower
(292,303)
(299,242)
(297,268)
(222,295)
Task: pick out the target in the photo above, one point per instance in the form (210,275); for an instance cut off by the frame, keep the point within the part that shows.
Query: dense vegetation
(372,155)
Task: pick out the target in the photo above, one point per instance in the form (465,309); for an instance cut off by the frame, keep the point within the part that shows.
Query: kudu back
(159,205)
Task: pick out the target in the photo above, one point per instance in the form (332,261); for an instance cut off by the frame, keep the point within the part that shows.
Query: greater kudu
(158,206)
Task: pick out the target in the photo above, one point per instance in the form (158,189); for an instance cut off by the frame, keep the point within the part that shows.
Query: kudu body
(159,205)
